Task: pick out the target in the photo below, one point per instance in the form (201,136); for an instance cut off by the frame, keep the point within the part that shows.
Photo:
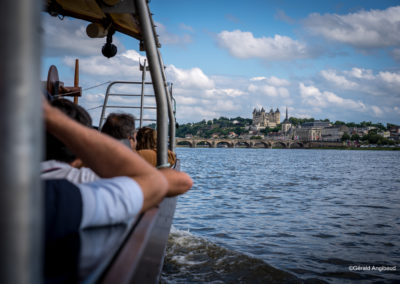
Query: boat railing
(143,108)
(140,107)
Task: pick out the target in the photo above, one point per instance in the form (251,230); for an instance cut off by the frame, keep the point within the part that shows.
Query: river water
(286,216)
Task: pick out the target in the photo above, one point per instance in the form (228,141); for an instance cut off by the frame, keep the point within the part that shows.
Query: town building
(334,133)
(311,131)
(262,119)
(394,132)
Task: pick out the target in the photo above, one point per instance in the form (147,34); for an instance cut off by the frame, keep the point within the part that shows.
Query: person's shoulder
(149,155)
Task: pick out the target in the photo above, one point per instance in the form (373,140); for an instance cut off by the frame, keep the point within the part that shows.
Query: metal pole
(157,78)
(171,115)
(142,93)
(103,110)
(76,79)
(21,142)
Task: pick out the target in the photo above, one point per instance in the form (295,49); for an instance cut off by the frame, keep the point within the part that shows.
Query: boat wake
(192,259)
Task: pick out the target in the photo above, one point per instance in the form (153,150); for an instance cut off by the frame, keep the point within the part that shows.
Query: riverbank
(316,148)
(359,148)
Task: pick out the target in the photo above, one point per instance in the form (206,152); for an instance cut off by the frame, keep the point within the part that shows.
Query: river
(286,216)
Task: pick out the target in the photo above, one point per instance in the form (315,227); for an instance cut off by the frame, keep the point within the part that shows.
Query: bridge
(253,143)
(239,143)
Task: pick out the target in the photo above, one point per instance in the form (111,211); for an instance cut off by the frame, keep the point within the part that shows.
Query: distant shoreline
(314,148)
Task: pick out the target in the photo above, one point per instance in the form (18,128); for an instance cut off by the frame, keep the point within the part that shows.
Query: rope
(94,107)
(96,86)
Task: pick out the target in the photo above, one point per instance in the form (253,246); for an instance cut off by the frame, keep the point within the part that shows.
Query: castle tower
(277,116)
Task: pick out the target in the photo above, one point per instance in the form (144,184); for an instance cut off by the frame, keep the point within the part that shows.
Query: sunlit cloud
(312,96)
(244,45)
(364,29)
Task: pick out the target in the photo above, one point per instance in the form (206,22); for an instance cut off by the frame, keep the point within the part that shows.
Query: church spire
(286,114)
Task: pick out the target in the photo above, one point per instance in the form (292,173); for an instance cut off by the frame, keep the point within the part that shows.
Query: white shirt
(110,201)
(53,169)
(105,201)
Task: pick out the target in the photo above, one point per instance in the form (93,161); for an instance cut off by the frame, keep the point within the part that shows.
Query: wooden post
(76,80)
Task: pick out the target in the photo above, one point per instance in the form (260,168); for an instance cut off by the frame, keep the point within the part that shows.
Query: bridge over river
(253,143)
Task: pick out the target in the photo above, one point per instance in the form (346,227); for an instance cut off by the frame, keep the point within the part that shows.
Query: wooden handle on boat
(76,80)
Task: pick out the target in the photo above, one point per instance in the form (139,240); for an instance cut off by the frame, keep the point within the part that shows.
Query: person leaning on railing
(61,162)
(146,146)
(128,184)
(121,126)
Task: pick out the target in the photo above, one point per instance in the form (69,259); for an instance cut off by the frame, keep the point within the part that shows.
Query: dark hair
(119,125)
(146,138)
(55,149)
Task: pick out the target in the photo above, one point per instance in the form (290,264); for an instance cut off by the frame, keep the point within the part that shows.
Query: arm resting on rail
(178,182)
(106,156)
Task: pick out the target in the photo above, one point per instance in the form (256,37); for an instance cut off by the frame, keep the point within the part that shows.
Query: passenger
(146,146)
(128,184)
(121,126)
(60,162)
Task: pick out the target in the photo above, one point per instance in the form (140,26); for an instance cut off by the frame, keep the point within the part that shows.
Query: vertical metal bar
(171,115)
(21,142)
(142,93)
(76,79)
(103,110)
(157,78)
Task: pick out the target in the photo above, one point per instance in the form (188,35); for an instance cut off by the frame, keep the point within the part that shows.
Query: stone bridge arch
(296,144)
(279,144)
(260,144)
(242,144)
(184,142)
(202,142)
(220,143)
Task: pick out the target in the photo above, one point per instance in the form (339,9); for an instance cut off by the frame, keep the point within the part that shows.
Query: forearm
(105,155)
(178,182)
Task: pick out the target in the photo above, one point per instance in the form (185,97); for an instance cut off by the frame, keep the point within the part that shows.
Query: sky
(323,59)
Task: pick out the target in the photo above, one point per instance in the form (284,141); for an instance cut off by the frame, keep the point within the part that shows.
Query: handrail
(141,107)
(158,79)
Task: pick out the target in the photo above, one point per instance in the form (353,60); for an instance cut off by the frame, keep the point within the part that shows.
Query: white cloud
(377,110)
(360,73)
(181,100)
(331,76)
(245,45)
(189,78)
(225,93)
(390,78)
(312,96)
(364,29)
(120,67)
(272,81)
(268,90)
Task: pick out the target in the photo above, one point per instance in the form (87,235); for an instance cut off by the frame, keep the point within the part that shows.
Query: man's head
(121,126)
(55,149)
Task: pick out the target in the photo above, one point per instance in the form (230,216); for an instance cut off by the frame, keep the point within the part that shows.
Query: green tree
(345,136)
(338,122)
(355,137)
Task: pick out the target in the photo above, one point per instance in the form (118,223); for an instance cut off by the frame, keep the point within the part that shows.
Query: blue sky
(321,59)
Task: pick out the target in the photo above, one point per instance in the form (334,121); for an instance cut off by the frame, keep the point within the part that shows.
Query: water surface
(286,216)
